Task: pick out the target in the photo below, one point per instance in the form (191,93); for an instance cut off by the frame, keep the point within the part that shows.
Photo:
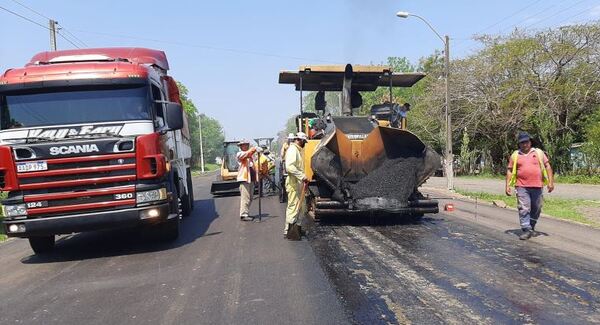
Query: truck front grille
(77,184)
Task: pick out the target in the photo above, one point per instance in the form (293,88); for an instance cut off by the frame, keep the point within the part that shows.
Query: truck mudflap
(225,188)
(113,219)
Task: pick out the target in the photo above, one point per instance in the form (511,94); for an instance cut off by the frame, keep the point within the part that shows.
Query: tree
(212,131)
(591,147)
(544,83)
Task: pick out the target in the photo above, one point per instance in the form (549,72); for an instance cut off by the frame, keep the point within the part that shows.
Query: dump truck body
(92,139)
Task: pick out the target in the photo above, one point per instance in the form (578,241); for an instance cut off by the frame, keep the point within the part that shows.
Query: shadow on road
(120,242)
(518,231)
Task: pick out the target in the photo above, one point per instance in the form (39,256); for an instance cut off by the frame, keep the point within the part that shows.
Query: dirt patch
(591,212)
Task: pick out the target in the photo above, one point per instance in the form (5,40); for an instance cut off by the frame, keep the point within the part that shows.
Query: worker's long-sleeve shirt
(246,166)
(294,163)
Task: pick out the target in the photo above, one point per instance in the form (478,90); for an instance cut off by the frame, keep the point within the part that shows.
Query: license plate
(31,166)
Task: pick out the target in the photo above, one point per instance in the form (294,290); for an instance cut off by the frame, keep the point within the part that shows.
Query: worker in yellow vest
(528,171)
(294,185)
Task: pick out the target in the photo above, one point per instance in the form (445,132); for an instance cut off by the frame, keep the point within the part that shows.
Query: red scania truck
(92,139)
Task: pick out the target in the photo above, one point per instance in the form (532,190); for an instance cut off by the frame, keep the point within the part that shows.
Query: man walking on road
(247,175)
(528,170)
(294,183)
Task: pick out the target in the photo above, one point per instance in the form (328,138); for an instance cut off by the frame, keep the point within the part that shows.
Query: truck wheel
(169,230)
(190,187)
(42,244)
(187,201)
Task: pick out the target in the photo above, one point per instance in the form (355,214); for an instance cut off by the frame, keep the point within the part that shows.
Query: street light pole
(201,149)
(448,155)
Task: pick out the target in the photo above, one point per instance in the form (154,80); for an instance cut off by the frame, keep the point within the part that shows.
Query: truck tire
(190,187)
(169,230)
(187,201)
(41,244)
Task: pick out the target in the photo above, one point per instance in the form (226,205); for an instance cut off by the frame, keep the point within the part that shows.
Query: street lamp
(448,154)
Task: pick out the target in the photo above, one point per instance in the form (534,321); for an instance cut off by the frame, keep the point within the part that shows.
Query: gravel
(395,179)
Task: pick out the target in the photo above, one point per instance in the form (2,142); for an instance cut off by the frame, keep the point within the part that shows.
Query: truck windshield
(29,109)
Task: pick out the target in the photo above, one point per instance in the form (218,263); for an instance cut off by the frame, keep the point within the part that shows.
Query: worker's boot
(303,233)
(294,232)
(526,234)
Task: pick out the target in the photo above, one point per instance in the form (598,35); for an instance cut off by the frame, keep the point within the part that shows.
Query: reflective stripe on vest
(540,156)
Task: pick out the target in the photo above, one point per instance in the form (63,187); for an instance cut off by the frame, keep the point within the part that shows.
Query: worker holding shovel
(295,185)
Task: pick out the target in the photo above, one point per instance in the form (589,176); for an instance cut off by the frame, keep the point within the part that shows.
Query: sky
(229,53)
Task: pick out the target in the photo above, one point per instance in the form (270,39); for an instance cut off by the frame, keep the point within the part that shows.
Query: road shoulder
(555,234)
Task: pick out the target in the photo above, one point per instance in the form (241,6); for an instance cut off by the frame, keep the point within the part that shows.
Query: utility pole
(449,154)
(52,28)
(201,149)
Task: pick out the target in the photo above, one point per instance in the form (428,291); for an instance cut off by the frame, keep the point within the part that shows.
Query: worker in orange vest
(247,176)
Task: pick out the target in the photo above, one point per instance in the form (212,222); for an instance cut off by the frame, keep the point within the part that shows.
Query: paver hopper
(368,164)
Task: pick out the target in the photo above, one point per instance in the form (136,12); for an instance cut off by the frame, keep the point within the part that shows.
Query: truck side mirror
(174,115)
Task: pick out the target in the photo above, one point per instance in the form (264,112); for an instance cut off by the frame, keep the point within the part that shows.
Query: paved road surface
(462,267)
(220,271)
(567,191)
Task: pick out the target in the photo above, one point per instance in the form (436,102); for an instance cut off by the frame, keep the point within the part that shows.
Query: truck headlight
(15,210)
(150,196)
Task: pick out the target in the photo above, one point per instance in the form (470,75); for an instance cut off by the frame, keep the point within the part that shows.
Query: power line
(576,15)
(459,45)
(66,39)
(508,17)
(208,47)
(559,12)
(529,17)
(30,9)
(38,24)
(63,28)
(48,18)
(23,17)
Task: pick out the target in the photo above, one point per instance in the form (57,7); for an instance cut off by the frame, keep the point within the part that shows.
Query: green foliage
(591,147)
(466,156)
(212,131)
(543,83)
(207,168)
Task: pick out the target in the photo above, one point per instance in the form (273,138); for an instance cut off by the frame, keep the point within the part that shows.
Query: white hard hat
(290,136)
(301,136)
(243,141)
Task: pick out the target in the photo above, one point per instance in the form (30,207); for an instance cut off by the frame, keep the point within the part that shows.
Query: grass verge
(567,209)
(207,168)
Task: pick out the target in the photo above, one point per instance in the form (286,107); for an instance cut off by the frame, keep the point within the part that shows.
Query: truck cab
(92,139)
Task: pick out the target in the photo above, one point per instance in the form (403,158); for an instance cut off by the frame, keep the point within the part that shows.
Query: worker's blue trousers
(529,203)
